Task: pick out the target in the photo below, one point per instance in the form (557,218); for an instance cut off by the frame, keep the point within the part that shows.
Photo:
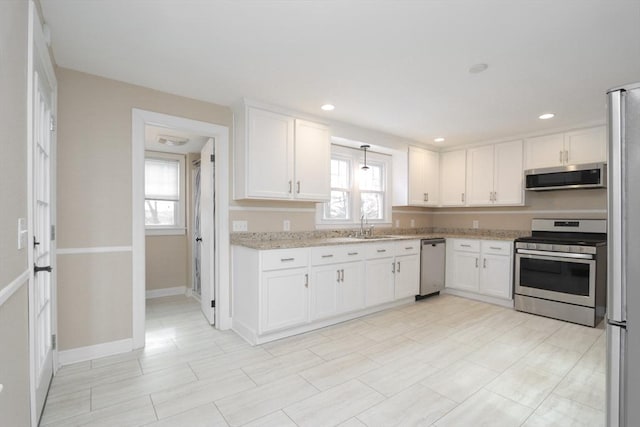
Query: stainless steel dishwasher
(432,264)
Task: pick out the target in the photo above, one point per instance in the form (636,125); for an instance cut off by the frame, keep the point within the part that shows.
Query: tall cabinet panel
(424,177)
(508,174)
(269,154)
(480,175)
(312,161)
(453,166)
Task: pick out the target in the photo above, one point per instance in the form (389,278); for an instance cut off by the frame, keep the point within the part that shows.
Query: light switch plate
(22,233)
(286,225)
(397,223)
(413,222)
(475,223)
(240,226)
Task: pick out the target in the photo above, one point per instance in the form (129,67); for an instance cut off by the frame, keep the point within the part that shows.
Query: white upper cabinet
(495,175)
(575,147)
(280,157)
(453,171)
(423,177)
(586,146)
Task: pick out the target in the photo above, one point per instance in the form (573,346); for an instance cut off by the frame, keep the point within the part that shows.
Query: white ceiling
(397,66)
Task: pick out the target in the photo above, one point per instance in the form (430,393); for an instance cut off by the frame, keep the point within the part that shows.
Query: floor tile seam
(249,376)
(457,404)
(578,402)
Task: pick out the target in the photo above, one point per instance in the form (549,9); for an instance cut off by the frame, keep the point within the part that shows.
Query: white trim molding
(12,288)
(82,354)
(94,250)
(166,292)
(495,211)
(269,209)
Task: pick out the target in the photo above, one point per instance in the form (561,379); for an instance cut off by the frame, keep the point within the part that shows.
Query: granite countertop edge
(280,240)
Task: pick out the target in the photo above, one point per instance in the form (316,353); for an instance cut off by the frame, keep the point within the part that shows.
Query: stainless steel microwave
(591,175)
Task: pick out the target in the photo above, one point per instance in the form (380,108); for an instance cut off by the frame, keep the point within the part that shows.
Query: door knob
(198,239)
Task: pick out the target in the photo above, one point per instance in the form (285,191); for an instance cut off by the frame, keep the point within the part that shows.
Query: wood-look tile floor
(443,361)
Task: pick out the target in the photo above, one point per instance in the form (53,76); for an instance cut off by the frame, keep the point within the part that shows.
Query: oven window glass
(558,276)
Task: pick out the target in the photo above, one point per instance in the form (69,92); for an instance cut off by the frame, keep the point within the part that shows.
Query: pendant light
(365,147)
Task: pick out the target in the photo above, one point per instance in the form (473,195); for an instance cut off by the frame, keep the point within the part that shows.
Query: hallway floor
(444,361)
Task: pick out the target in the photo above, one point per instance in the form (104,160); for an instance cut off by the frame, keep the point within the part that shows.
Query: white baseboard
(166,292)
(82,354)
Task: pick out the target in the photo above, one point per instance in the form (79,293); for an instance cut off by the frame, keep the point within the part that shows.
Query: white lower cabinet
(281,292)
(284,299)
(483,267)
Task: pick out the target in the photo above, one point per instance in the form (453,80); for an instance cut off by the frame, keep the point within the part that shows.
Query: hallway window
(164,202)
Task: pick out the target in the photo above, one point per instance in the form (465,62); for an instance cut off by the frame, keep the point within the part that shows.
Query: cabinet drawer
(380,250)
(466,245)
(284,258)
(407,247)
(323,255)
(497,247)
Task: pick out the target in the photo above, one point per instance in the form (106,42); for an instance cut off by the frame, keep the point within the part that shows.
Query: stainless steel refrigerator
(623,287)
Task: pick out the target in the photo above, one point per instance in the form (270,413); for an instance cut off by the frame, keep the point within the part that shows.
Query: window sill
(165,231)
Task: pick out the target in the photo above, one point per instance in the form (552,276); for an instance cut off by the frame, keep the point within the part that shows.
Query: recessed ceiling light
(328,107)
(546,116)
(438,139)
(478,68)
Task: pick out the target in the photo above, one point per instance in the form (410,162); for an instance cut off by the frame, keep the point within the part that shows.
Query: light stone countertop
(281,240)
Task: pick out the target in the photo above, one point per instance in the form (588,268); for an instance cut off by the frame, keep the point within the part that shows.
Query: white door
(480,175)
(322,290)
(351,287)
(465,271)
(379,280)
(509,173)
(284,299)
(407,276)
(544,151)
(452,178)
(416,178)
(432,178)
(207,232)
(43,279)
(495,276)
(586,146)
(312,167)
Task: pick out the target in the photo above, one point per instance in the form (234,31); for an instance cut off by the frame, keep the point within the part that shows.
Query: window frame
(180,228)
(356,157)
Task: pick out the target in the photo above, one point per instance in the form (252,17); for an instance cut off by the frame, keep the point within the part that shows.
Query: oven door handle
(554,254)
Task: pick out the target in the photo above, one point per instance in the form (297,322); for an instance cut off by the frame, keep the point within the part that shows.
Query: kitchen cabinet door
(464,271)
(495,276)
(508,174)
(350,290)
(284,299)
(379,281)
(453,174)
(323,297)
(480,176)
(407,276)
(312,166)
(544,151)
(586,146)
(269,167)
(424,177)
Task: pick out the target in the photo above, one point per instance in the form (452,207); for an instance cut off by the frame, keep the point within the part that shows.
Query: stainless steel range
(561,270)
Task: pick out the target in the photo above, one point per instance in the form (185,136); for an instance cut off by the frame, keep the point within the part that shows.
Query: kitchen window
(356,192)
(164,188)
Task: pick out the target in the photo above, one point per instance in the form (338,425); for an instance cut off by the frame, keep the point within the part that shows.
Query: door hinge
(53,232)
(213,303)
(52,124)
(213,158)
(54,341)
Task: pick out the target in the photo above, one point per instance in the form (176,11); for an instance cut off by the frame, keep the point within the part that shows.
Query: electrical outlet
(240,226)
(413,222)
(397,223)
(475,223)
(286,225)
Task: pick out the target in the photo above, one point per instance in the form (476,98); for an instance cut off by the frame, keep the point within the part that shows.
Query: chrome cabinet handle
(465,246)
(398,270)
(286,259)
(495,196)
(306,280)
(382,250)
(408,248)
(342,275)
(338,278)
(476,262)
(393,267)
(298,187)
(327,256)
(462,197)
(495,248)
(484,263)
(352,253)
(290,187)
(566,156)
(424,197)
(561,157)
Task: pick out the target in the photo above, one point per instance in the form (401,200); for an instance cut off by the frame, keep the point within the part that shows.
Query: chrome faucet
(362,222)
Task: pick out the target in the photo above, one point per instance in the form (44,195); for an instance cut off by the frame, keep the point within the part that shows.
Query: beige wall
(166,262)
(14,333)
(543,204)
(94,198)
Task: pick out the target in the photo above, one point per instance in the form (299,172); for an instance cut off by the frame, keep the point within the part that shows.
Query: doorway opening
(164,239)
